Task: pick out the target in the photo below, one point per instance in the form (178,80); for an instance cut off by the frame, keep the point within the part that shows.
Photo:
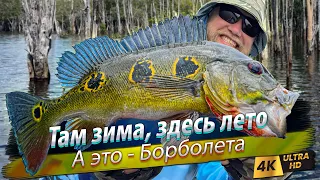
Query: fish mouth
(281,101)
(278,106)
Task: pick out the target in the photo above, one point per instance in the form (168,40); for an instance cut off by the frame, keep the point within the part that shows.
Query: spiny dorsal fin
(73,67)
(178,30)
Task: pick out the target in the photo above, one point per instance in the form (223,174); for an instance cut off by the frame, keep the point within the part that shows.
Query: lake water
(305,78)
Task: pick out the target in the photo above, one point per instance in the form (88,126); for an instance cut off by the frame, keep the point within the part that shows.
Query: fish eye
(255,67)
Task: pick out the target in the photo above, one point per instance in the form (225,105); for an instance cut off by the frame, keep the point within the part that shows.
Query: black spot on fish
(59,100)
(142,71)
(94,82)
(40,103)
(82,89)
(37,113)
(185,67)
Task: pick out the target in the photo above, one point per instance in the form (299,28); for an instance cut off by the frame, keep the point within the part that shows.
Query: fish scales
(111,98)
(173,78)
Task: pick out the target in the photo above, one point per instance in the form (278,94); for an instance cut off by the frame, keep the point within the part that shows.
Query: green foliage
(103,29)
(10,9)
(63,12)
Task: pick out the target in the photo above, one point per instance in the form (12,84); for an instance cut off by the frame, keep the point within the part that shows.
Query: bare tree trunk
(304,30)
(310,22)
(130,14)
(289,31)
(265,53)
(193,6)
(197,2)
(124,4)
(72,19)
(275,7)
(146,20)
(95,22)
(172,9)
(270,20)
(163,10)
(160,9)
(179,1)
(118,17)
(151,10)
(55,22)
(154,12)
(319,25)
(201,3)
(283,31)
(103,12)
(20,24)
(62,23)
(109,24)
(314,24)
(11,24)
(87,19)
(38,28)
(81,24)
(168,8)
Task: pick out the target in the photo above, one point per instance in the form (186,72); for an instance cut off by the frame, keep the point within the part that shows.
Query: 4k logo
(267,167)
(269,164)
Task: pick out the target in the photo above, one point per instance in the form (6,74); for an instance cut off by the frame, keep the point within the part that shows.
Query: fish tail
(32,134)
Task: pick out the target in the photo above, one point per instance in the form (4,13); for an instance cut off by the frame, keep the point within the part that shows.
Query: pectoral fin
(180,116)
(78,124)
(173,87)
(174,141)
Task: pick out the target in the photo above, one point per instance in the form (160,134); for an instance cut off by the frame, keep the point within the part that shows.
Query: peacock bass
(162,72)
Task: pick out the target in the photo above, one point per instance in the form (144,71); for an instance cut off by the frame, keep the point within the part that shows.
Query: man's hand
(239,169)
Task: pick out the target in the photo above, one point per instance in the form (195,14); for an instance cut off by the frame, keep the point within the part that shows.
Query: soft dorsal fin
(88,54)
(73,67)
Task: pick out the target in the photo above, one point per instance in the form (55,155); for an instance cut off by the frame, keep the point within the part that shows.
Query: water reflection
(39,87)
(311,65)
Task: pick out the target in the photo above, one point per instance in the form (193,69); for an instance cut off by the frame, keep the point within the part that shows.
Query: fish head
(246,86)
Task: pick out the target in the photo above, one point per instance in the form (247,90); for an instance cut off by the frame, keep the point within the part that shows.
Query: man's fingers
(235,168)
(232,172)
(238,165)
(224,162)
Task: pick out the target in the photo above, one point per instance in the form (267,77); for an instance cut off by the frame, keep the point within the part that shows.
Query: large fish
(164,72)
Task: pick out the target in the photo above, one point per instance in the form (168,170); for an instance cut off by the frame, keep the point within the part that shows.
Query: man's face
(219,30)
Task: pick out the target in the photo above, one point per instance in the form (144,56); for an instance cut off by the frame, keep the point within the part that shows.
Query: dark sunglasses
(232,15)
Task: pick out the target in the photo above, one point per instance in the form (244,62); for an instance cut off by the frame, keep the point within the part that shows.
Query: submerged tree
(38,27)
(87,19)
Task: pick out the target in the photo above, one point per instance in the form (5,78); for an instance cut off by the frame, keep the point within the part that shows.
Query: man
(238,24)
